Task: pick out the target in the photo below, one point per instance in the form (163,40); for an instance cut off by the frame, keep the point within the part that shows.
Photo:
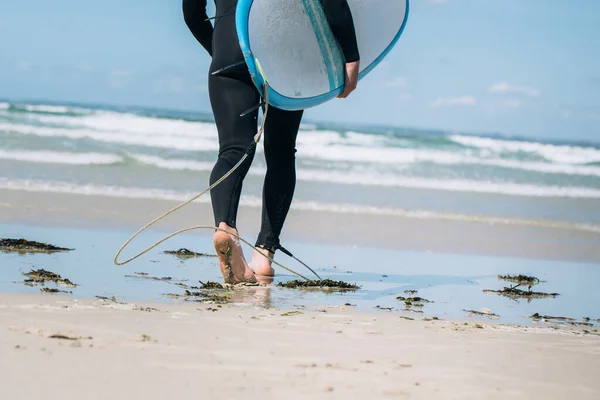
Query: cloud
(397,82)
(454,101)
(507,88)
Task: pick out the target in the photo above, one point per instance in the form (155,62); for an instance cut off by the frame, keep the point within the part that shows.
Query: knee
(280,156)
(235,153)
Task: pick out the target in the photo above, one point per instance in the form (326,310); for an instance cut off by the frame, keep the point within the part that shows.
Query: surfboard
(289,44)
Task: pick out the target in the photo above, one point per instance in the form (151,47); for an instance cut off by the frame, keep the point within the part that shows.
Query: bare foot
(261,266)
(231,257)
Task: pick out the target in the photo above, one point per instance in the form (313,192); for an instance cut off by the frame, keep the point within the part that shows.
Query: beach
(126,340)
(96,349)
(432,230)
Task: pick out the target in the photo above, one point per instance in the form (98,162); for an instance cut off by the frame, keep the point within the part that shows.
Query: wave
(116,137)
(353,174)
(404,156)
(176,164)
(55,157)
(4,106)
(562,154)
(252,201)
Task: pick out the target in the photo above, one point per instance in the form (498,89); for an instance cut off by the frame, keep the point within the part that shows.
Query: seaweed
(522,279)
(413,301)
(514,293)
(145,275)
(321,284)
(41,276)
(483,312)
(52,290)
(568,320)
(409,292)
(112,299)
(59,336)
(146,309)
(28,246)
(185,253)
(211,285)
(290,313)
(207,297)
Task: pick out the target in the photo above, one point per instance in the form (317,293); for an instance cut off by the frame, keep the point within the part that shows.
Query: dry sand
(383,231)
(243,352)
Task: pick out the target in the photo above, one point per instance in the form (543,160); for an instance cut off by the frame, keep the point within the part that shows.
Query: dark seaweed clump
(28,246)
(567,320)
(185,253)
(522,279)
(324,283)
(413,301)
(513,292)
(145,275)
(41,276)
(204,297)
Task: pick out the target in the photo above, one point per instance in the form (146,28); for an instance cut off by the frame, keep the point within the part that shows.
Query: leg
(229,97)
(281,130)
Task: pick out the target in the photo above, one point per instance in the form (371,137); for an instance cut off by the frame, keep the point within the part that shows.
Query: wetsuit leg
(281,130)
(231,93)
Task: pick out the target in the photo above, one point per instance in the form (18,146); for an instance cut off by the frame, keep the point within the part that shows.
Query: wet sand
(392,232)
(72,349)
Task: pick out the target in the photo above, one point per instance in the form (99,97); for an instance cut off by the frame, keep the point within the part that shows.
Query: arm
(340,20)
(194,14)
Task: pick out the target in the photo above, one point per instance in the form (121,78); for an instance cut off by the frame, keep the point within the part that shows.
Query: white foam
(55,157)
(119,137)
(556,153)
(173,164)
(50,109)
(95,190)
(4,106)
(452,185)
(252,201)
(390,155)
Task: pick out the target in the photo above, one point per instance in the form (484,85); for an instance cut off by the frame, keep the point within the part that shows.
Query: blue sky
(529,68)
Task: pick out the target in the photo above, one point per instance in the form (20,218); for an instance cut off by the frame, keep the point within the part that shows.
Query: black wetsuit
(231,93)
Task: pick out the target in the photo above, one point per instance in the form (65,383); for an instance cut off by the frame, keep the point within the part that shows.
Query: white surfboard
(289,43)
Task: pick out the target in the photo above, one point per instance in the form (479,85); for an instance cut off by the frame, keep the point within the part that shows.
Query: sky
(519,67)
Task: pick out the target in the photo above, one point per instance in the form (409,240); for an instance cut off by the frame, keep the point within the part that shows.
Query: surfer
(232,92)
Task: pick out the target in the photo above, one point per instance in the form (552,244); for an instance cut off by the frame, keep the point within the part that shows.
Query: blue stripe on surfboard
(327,44)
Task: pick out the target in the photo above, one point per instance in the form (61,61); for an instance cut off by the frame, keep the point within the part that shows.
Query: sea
(163,154)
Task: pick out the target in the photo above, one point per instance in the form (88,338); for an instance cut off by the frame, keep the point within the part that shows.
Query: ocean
(143,153)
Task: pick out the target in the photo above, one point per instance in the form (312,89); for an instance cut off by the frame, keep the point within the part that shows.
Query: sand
(241,351)
(103,350)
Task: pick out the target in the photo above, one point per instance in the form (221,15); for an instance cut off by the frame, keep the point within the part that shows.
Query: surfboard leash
(265,104)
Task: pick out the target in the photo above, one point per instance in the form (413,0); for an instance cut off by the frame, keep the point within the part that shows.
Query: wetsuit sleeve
(340,20)
(194,15)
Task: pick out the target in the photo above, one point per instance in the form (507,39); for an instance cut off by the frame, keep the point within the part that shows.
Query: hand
(351,79)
